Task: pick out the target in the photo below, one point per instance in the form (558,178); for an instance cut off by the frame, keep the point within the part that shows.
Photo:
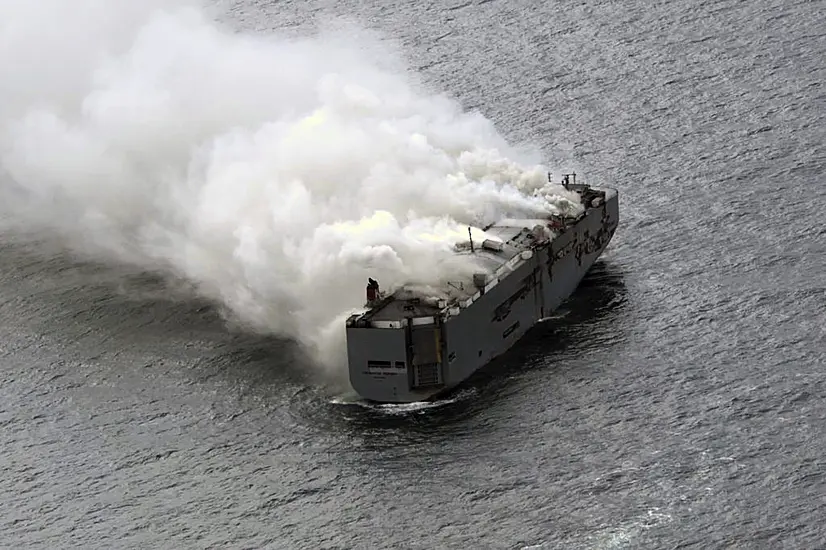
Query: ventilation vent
(490,244)
(427,375)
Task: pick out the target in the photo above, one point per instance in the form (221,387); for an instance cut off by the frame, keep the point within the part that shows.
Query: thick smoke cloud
(274,174)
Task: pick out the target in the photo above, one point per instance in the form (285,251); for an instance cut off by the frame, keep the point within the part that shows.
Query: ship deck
(416,301)
(502,246)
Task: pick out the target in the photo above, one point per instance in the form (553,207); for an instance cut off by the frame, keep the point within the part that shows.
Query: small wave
(399,408)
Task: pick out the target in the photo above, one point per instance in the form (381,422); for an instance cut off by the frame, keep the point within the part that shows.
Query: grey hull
(417,362)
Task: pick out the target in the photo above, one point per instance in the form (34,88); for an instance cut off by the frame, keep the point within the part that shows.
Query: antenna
(471,239)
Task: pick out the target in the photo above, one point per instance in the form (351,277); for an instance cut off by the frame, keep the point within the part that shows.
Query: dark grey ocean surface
(677,401)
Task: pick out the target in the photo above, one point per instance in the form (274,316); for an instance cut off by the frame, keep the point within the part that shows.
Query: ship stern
(393,361)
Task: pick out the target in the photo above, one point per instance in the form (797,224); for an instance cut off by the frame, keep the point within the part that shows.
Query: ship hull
(493,324)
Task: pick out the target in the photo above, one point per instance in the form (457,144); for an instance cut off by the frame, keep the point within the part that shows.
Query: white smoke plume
(274,174)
